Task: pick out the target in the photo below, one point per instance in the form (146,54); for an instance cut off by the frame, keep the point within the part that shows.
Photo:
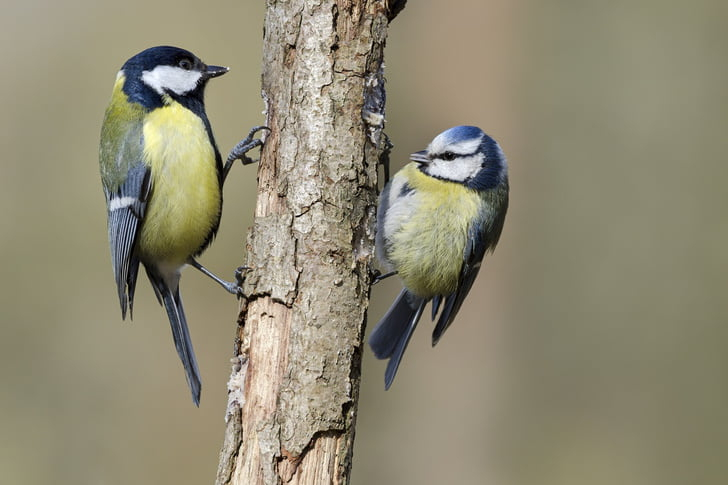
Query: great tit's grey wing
(126,209)
(127,184)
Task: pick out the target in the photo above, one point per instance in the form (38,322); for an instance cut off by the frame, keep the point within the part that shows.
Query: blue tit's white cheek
(170,78)
(458,170)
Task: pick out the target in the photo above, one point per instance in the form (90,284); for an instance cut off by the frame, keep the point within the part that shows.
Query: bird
(436,219)
(162,177)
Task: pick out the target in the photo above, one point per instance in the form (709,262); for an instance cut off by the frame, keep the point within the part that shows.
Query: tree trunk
(294,388)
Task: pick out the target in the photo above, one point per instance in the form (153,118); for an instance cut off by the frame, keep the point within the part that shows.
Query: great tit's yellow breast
(184,205)
(427,242)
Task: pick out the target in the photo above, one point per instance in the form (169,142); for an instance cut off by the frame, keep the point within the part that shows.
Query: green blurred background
(592,349)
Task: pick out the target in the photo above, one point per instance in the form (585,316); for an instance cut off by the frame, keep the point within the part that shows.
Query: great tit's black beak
(420,157)
(215,71)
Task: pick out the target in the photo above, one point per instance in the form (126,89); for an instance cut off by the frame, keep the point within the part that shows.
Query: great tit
(162,176)
(436,219)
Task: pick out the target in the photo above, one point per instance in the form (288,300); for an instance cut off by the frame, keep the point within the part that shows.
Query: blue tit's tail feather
(390,337)
(172,302)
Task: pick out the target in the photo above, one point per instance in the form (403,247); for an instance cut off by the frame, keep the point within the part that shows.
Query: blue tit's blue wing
(436,301)
(482,237)
(126,208)
(472,258)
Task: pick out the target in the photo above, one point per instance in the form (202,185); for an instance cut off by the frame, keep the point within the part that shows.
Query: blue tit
(437,218)
(162,176)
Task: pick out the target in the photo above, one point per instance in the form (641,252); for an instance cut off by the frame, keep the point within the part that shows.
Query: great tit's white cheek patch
(170,78)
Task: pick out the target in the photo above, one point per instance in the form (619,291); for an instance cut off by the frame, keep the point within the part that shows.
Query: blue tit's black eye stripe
(447,156)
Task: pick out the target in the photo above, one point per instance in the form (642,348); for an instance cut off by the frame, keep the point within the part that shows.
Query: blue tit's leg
(233,288)
(377,276)
(239,152)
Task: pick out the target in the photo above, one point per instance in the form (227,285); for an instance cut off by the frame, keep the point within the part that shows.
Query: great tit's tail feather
(392,334)
(172,302)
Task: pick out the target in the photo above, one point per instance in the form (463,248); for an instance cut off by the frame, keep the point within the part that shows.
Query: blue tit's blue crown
(462,133)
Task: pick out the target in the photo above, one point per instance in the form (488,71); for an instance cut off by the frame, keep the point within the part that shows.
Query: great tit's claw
(239,152)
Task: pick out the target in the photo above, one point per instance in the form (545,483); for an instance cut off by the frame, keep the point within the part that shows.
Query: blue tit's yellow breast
(427,238)
(184,205)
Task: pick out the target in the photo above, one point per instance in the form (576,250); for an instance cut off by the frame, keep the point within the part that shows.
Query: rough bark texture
(295,384)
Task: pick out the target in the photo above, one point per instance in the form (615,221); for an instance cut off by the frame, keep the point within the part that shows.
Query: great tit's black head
(466,155)
(166,70)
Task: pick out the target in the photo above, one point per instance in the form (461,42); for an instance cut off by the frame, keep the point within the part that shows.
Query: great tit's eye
(185,64)
(447,156)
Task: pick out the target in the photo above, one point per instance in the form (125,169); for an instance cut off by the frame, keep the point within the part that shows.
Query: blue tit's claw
(377,276)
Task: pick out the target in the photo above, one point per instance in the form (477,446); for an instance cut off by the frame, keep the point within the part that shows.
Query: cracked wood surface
(294,387)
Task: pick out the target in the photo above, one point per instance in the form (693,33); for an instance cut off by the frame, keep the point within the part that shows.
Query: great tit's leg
(377,276)
(233,288)
(239,152)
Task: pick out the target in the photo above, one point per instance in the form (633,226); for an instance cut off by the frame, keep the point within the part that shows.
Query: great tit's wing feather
(127,184)
(126,209)
(390,337)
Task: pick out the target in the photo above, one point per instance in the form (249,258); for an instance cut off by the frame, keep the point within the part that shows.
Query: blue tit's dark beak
(215,71)
(420,157)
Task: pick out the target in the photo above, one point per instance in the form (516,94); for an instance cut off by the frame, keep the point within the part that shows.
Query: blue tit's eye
(447,156)
(185,64)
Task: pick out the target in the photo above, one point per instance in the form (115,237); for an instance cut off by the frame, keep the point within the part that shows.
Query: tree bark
(295,383)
